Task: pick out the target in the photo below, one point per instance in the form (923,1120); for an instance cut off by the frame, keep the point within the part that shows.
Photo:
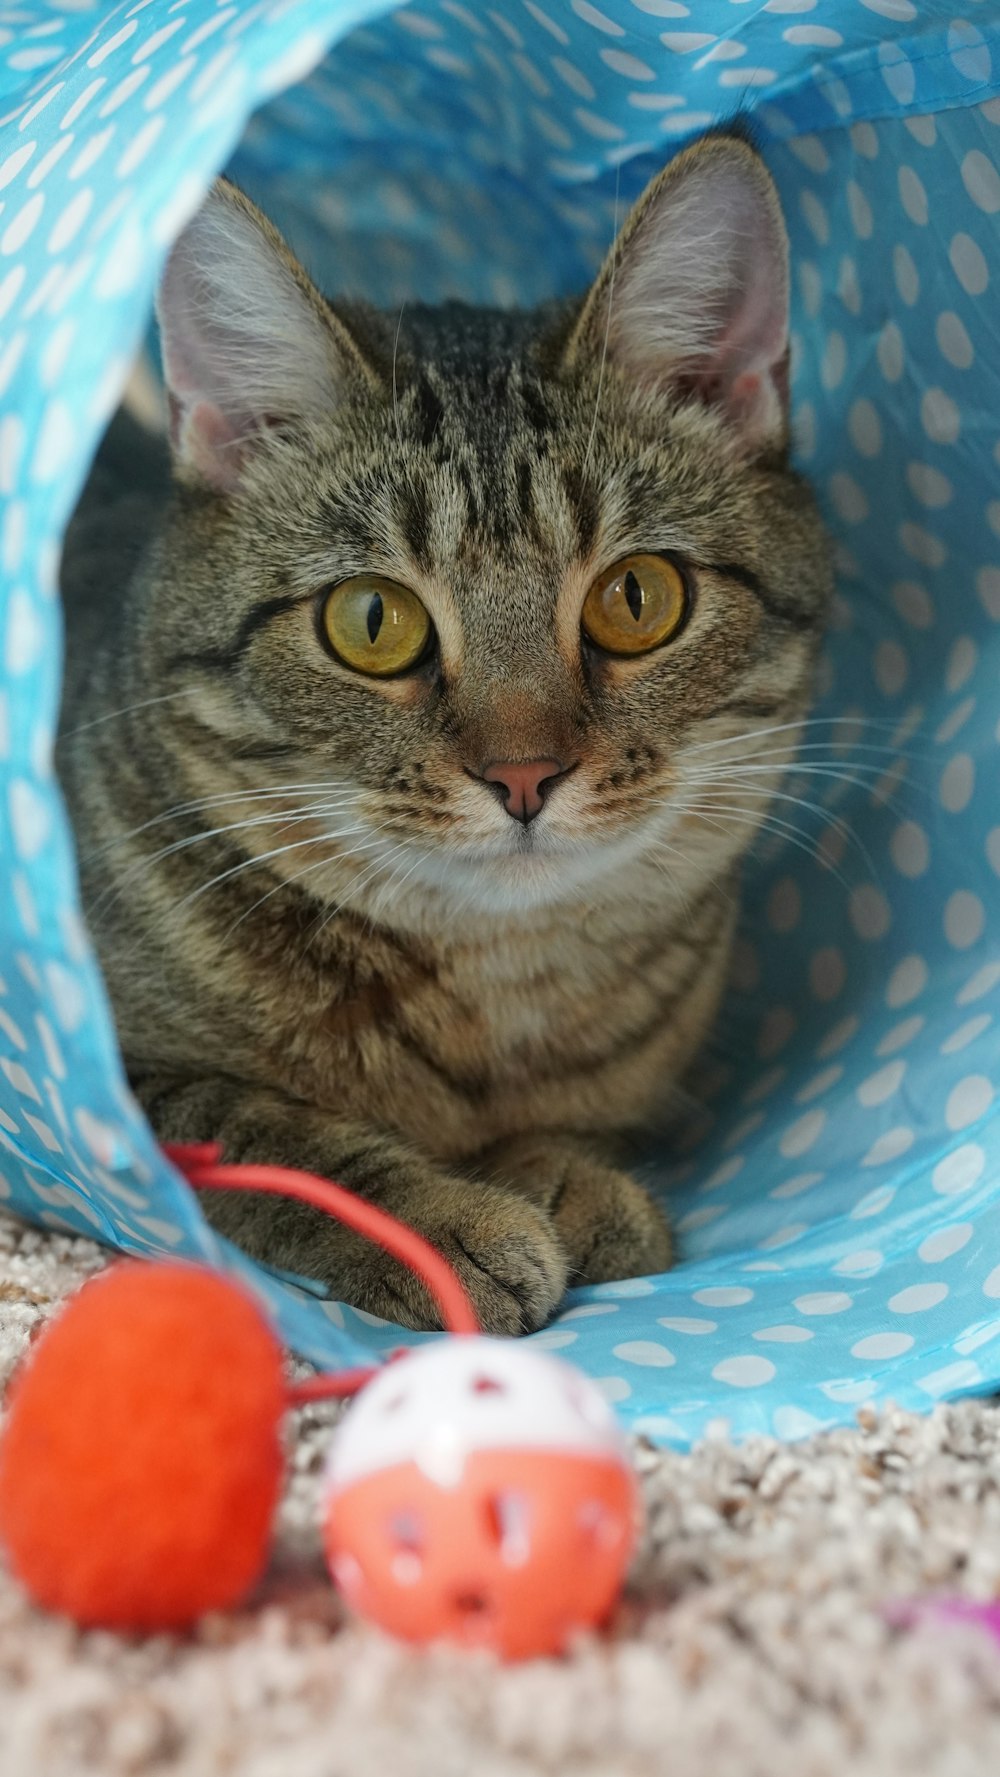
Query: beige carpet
(751,1645)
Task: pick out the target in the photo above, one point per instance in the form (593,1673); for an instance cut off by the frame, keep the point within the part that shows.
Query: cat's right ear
(693,298)
(248,342)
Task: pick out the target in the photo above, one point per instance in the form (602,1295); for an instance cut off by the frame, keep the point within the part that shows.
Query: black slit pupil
(374,619)
(633,595)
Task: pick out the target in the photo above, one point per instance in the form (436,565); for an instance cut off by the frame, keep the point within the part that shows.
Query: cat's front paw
(609,1226)
(504,1249)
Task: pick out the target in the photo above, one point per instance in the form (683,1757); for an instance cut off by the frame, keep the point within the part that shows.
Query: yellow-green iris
(375,625)
(636,606)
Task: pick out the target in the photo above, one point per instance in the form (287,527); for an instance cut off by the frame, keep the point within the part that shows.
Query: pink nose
(524,787)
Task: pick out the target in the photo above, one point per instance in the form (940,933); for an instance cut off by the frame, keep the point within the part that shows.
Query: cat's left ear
(693,297)
(248,342)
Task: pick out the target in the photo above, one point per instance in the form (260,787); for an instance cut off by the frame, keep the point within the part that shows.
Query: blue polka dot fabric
(838,1199)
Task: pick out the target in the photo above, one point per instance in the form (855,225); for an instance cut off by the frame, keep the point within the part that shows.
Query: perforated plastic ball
(141,1459)
(479,1491)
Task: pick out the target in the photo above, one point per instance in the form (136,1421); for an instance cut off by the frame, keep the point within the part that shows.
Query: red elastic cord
(202,1166)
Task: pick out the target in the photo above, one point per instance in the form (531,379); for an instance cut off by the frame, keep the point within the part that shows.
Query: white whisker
(770,824)
(825,815)
(339,857)
(801,722)
(128,710)
(207,802)
(251,821)
(248,863)
(745,773)
(110,895)
(394,884)
(395,402)
(373,869)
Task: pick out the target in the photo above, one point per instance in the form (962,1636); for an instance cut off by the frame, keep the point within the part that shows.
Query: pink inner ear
(751,369)
(209,440)
(202,434)
(752,402)
(701,303)
(243,343)
(749,356)
(746,390)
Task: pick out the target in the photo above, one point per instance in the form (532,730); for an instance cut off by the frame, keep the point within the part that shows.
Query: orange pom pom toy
(141,1463)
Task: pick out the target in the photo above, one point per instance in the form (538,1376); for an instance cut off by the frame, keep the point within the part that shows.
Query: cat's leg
(608,1224)
(502,1245)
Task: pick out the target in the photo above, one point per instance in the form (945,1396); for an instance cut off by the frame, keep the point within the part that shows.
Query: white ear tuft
(247,341)
(698,290)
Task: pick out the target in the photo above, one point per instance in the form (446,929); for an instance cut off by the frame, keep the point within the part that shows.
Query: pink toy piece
(938,1609)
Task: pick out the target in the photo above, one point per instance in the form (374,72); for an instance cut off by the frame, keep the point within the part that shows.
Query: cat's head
(491,591)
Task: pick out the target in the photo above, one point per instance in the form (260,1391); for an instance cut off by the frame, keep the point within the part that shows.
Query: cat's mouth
(541,843)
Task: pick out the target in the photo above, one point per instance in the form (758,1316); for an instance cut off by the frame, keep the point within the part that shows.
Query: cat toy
(477,1491)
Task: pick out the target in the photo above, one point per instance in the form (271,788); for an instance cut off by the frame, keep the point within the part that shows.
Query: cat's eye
(375,625)
(637,605)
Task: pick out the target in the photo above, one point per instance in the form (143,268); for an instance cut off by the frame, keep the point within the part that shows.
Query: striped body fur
(326,942)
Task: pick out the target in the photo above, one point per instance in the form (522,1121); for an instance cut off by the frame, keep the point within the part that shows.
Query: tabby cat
(411,860)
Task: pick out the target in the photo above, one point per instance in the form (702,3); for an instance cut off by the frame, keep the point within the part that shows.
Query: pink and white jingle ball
(480,1491)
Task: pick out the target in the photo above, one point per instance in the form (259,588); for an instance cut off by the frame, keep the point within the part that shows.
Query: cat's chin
(502,880)
(514,884)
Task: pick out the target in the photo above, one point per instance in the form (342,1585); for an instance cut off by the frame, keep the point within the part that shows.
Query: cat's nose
(524,787)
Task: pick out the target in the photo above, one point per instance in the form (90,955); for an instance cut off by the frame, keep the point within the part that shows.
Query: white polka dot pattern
(837,1217)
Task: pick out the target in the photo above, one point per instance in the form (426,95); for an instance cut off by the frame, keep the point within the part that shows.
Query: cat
(401,765)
